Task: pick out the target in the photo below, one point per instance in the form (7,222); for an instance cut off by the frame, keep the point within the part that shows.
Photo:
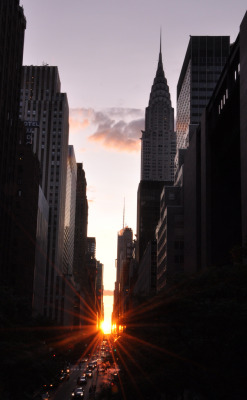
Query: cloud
(114,128)
(108,293)
(118,135)
(79,119)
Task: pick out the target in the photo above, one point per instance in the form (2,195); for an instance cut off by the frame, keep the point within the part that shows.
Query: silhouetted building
(26,223)
(223,162)
(99,293)
(70,209)
(148,212)
(45,111)
(122,286)
(170,236)
(214,170)
(81,223)
(40,255)
(146,284)
(91,247)
(12,28)
(204,60)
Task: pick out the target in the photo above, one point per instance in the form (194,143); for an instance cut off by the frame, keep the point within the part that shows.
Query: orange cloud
(118,129)
(120,136)
(108,293)
(80,118)
(76,125)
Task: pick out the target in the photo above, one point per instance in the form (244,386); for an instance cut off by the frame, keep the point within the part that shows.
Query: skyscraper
(158,146)
(44,109)
(70,207)
(158,149)
(81,223)
(122,284)
(12,28)
(204,60)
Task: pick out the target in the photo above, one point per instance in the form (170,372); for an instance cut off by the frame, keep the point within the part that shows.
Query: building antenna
(160,38)
(124,213)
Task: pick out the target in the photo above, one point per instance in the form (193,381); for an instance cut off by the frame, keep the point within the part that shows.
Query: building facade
(81,223)
(204,60)
(12,29)
(44,110)
(223,173)
(170,236)
(70,208)
(122,284)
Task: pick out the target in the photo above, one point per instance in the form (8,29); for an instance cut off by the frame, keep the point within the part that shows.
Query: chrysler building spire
(158,139)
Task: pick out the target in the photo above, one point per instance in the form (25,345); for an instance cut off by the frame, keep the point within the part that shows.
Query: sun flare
(106,326)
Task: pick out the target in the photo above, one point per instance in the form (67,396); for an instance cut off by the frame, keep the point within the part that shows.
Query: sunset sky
(107,54)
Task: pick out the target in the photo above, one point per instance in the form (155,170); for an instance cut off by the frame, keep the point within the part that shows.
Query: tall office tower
(158,150)
(70,207)
(122,285)
(88,284)
(158,146)
(204,60)
(44,110)
(12,28)
(223,158)
(81,223)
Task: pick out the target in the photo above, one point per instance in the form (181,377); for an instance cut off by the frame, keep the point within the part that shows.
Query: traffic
(89,378)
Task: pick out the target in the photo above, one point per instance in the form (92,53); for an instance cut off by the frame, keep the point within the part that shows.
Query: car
(78,393)
(92,365)
(82,380)
(45,396)
(64,377)
(89,373)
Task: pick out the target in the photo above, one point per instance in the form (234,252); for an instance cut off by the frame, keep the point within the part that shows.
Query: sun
(106,327)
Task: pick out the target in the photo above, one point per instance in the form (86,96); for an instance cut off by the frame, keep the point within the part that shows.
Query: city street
(101,380)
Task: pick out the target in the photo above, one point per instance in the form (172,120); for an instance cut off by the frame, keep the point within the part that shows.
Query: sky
(107,54)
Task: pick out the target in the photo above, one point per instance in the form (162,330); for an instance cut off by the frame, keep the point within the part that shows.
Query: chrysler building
(158,140)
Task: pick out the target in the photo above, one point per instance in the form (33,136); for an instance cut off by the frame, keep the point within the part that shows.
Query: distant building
(12,29)
(148,213)
(70,209)
(81,224)
(99,287)
(146,284)
(158,142)
(122,285)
